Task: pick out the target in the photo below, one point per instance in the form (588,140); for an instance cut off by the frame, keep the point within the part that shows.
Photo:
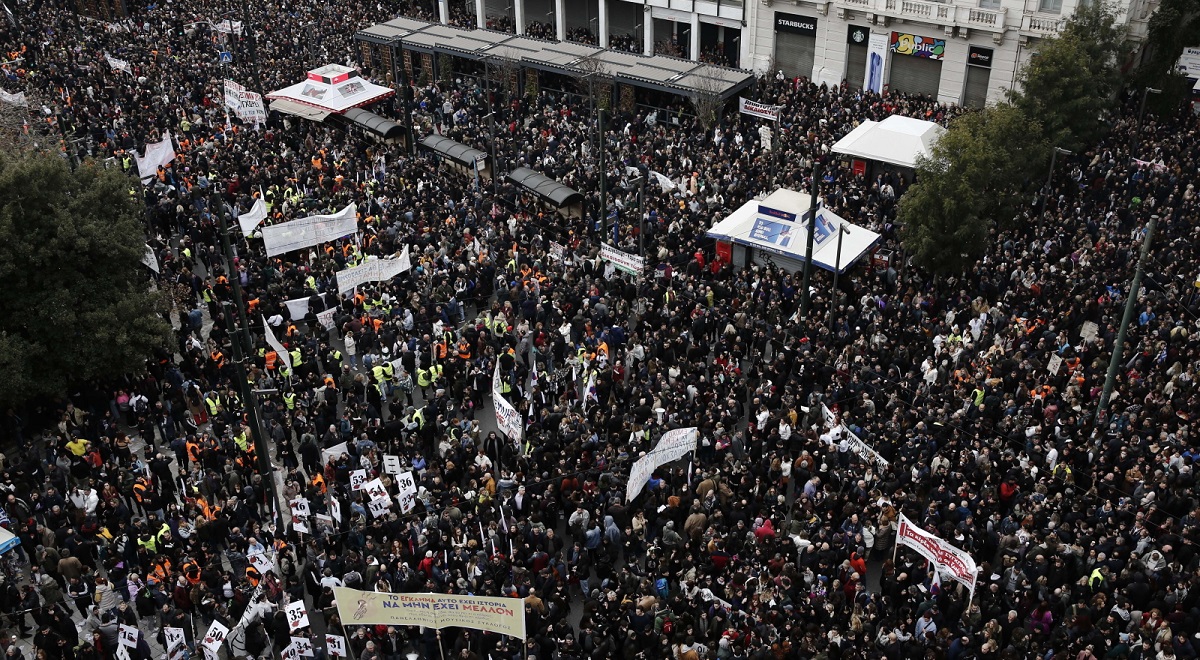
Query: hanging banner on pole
(157,154)
(118,65)
(307,232)
(150,259)
(505,616)
(673,445)
(877,52)
(508,419)
(251,219)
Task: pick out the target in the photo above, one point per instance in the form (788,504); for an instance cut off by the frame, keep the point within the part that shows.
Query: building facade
(965,52)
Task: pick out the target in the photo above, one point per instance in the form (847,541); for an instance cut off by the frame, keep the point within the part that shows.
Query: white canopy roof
(896,140)
(748,226)
(332,89)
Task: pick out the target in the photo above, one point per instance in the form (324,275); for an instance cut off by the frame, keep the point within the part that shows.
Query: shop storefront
(856,55)
(979,75)
(916,64)
(795,44)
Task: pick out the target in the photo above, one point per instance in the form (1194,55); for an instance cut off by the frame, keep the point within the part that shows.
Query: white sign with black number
(407,501)
(375,489)
(173,637)
(379,507)
(1054,365)
(303,646)
(407,483)
(129,636)
(335,509)
(391,464)
(300,507)
(358,479)
(336,645)
(261,563)
(297,616)
(290,653)
(214,637)
(123,652)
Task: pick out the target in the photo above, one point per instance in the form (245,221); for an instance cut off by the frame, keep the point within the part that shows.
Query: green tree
(75,306)
(1072,79)
(979,171)
(1174,26)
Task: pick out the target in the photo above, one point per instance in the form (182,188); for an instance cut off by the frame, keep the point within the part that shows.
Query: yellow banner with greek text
(500,615)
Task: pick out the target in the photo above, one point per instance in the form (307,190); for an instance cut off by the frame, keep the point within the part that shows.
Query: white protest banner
(947,559)
(407,483)
(508,419)
(499,615)
(391,464)
(358,479)
(252,110)
(157,154)
(250,220)
(557,251)
(303,646)
(118,65)
(298,308)
(128,635)
(233,95)
(665,183)
(14,99)
(638,475)
(336,645)
(297,615)
(325,318)
(281,352)
(374,270)
(334,452)
(625,262)
(335,509)
(675,444)
(863,450)
(228,26)
(150,259)
(760,110)
(1055,364)
(214,637)
(307,232)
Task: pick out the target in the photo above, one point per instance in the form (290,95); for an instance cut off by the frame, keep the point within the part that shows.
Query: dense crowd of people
(144,501)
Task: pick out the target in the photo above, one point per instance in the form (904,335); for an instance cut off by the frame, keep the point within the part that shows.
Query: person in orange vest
(318,480)
(253,575)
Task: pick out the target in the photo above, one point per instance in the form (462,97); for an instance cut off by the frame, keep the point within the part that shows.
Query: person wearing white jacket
(351,350)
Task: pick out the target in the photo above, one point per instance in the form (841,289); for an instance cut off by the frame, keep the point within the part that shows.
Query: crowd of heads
(146,500)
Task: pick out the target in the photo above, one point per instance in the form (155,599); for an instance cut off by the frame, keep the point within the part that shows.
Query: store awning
(546,189)
(299,110)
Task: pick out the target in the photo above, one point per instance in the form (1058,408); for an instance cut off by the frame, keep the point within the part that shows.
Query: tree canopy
(75,306)
(973,181)
(1073,78)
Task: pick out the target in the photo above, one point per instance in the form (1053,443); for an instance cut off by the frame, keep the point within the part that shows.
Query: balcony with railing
(1042,25)
(936,13)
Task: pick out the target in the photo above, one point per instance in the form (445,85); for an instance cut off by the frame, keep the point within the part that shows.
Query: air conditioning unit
(998,38)
(843,14)
(949,30)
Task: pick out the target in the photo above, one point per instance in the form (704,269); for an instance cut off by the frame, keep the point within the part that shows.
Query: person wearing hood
(670,537)
(611,531)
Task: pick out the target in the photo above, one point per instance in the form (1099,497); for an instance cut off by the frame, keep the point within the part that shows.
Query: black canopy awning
(455,151)
(546,189)
(383,127)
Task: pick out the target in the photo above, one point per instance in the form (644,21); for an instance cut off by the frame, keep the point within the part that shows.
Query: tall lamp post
(808,250)
(1141,112)
(837,269)
(1050,179)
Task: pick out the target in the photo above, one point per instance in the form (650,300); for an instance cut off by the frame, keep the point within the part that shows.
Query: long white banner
(673,445)
(310,231)
(760,110)
(14,99)
(247,105)
(856,443)
(507,417)
(948,560)
(629,263)
(284,356)
(374,270)
(499,615)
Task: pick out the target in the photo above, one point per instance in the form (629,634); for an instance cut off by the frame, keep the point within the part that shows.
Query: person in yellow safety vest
(297,358)
(242,440)
(289,400)
(213,404)
(423,380)
(435,373)
(505,388)
(499,326)
(311,282)
(419,418)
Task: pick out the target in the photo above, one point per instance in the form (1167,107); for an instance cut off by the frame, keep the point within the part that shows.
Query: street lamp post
(491,116)
(837,269)
(808,250)
(1142,111)
(1050,179)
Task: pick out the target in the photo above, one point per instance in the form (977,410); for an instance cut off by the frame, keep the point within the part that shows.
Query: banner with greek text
(373,270)
(673,445)
(505,616)
(947,559)
(629,263)
(307,232)
(284,356)
(760,110)
(508,419)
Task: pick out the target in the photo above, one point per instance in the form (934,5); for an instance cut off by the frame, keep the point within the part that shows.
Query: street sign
(226,56)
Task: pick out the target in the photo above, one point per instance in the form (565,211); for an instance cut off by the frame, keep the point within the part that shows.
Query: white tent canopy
(333,89)
(896,140)
(752,227)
